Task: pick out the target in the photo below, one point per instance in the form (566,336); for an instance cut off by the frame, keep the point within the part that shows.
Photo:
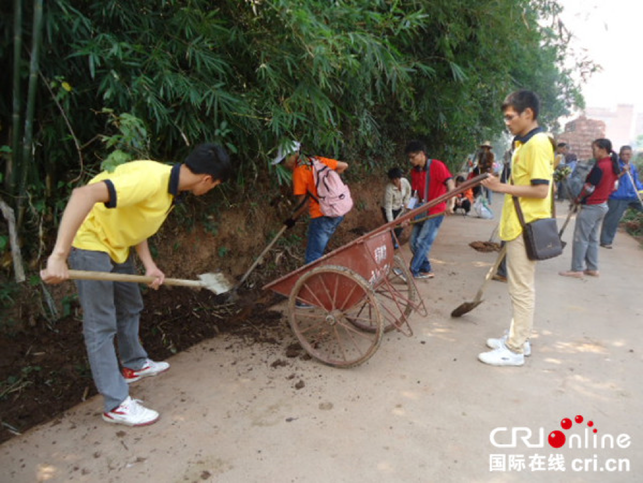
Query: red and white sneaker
(150,368)
(131,413)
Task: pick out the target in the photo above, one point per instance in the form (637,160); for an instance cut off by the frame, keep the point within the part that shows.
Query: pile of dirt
(44,369)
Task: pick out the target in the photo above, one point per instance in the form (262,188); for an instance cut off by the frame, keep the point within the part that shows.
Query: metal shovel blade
(215,282)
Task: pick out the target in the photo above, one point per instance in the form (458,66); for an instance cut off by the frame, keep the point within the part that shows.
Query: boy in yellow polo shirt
(531,180)
(102,221)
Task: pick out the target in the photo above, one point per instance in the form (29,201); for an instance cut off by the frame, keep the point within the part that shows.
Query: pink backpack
(333,195)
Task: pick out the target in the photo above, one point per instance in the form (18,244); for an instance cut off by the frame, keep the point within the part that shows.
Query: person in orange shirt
(320,228)
(464,200)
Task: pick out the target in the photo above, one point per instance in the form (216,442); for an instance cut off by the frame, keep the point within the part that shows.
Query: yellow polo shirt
(141,196)
(532,163)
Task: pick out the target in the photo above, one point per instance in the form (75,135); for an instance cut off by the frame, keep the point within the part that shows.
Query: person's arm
(406,197)
(341,167)
(302,204)
(151,270)
(388,202)
(539,191)
(451,203)
(591,182)
(80,203)
(635,176)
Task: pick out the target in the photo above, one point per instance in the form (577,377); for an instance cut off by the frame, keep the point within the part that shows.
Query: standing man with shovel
(531,180)
(102,221)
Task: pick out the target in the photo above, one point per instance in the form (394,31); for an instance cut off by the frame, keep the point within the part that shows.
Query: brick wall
(580,133)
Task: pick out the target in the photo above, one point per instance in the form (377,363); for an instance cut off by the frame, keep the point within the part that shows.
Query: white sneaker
(502,357)
(150,368)
(497,343)
(131,413)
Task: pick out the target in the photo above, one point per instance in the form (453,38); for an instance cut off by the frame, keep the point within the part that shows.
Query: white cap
(286,149)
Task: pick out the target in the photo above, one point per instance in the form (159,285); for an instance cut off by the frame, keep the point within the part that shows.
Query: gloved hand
(289,222)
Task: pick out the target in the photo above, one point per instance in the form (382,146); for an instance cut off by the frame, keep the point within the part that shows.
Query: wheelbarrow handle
(124,277)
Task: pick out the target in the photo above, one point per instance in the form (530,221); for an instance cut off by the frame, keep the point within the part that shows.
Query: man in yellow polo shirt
(102,221)
(531,182)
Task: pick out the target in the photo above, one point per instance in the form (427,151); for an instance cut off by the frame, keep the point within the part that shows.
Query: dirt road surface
(422,409)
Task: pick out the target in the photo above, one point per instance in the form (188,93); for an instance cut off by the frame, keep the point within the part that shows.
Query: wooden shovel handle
(123,277)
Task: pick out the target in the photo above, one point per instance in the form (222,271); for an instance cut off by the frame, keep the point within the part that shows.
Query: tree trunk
(18,270)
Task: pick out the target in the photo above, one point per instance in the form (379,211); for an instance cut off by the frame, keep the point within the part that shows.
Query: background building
(620,123)
(580,133)
(621,126)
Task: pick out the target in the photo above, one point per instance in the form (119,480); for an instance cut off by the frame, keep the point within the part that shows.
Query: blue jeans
(585,247)
(110,309)
(422,239)
(614,215)
(319,232)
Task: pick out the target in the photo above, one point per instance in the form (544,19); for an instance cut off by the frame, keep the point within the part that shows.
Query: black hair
(459,179)
(561,145)
(414,147)
(522,100)
(394,173)
(212,159)
(606,144)
(624,148)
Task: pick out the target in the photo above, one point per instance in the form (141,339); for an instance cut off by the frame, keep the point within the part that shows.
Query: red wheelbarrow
(340,305)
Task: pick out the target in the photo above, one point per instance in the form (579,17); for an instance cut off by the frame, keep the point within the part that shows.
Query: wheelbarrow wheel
(397,296)
(323,307)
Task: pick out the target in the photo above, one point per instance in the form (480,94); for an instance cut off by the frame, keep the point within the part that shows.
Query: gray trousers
(585,247)
(614,215)
(109,309)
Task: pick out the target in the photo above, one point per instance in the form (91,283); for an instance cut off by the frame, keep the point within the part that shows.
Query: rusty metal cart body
(340,305)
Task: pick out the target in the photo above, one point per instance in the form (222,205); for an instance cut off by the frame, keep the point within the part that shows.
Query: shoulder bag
(542,241)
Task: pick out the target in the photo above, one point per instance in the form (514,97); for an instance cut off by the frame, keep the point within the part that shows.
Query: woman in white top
(396,198)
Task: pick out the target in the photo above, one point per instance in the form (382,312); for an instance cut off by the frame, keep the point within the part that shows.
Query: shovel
(573,209)
(467,307)
(638,193)
(214,282)
(259,259)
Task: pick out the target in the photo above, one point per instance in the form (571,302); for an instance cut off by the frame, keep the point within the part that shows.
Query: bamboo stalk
(10,172)
(27,154)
